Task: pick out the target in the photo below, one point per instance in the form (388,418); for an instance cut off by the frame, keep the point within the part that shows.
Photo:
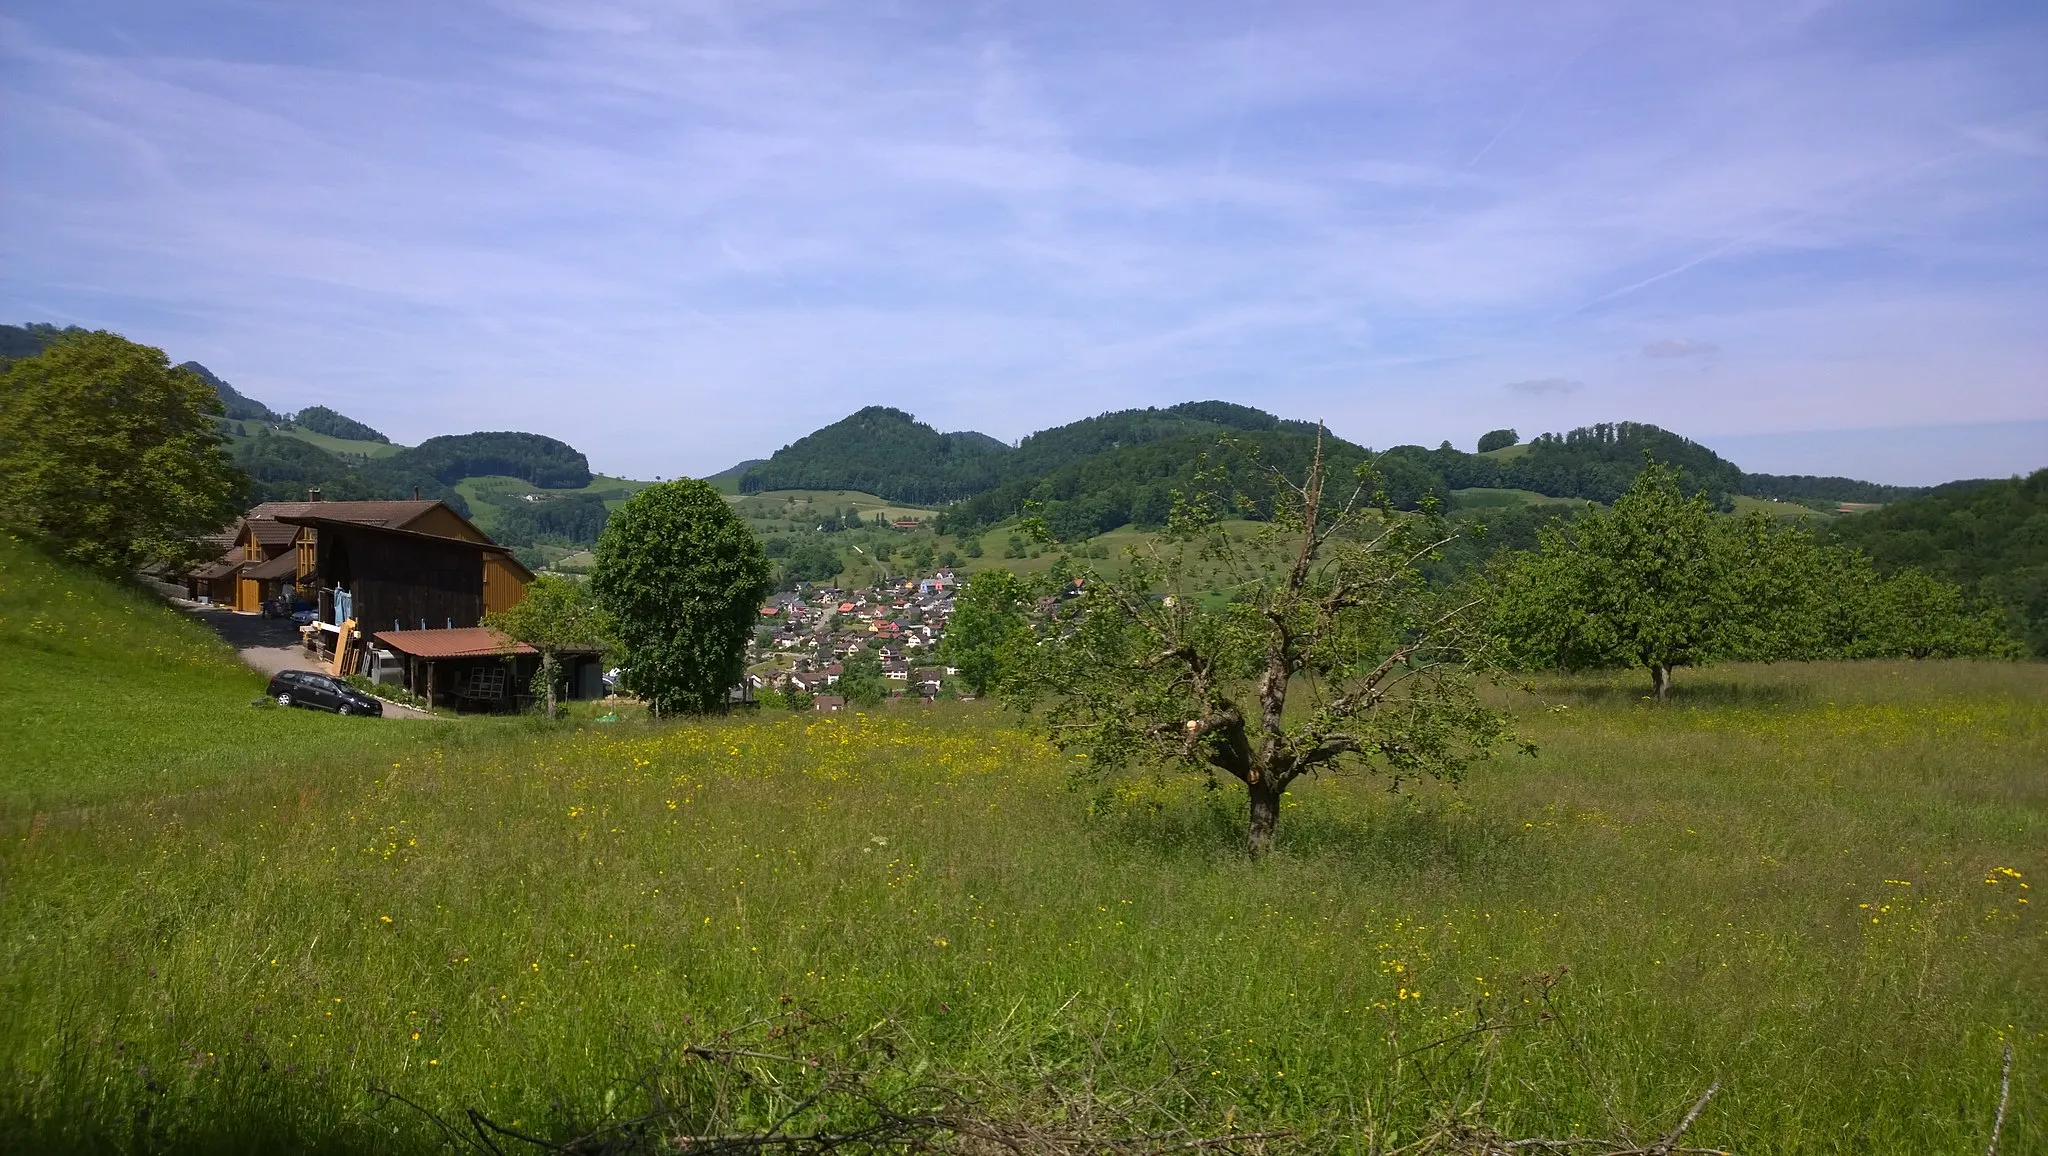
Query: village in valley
(806,637)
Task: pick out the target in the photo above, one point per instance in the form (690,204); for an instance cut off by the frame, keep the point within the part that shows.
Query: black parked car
(321,692)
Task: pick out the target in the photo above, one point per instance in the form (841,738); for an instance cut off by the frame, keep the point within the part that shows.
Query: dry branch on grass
(756,1090)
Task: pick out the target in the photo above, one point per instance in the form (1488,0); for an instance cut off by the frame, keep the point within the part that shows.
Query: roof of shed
(461,642)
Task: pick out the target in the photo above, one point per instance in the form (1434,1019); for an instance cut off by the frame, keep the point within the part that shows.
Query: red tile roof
(462,642)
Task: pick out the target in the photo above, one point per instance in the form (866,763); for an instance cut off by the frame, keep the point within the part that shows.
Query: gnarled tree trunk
(1660,680)
(1264,818)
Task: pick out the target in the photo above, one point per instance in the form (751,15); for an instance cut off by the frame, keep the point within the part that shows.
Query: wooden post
(430,684)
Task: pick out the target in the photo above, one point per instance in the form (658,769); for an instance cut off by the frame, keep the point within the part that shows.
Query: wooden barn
(414,565)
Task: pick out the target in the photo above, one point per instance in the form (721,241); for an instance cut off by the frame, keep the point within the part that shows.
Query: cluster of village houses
(808,635)
(396,591)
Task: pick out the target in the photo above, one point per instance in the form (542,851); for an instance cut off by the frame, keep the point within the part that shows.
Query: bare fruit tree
(1271,634)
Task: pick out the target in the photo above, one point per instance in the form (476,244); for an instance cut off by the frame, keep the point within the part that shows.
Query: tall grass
(1806,883)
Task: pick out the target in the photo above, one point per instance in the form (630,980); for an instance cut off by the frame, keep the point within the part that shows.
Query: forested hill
(882,451)
(1595,463)
(286,467)
(238,407)
(1091,472)
(1990,538)
(891,454)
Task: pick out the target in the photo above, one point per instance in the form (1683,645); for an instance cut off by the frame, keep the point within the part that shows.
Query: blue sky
(679,234)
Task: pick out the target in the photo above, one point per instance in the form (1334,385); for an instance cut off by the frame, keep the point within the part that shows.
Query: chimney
(415,493)
(313,495)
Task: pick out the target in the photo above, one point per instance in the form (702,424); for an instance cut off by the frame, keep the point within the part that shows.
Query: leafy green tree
(972,547)
(1499,439)
(556,615)
(1331,653)
(809,560)
(1644,584)
(111,458)
(1917,615)
(861,678)
(988,629)
(682,577)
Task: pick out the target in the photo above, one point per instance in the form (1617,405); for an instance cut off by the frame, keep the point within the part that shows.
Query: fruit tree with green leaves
(988,628)
(682,578)
(1323,650)
(557,615)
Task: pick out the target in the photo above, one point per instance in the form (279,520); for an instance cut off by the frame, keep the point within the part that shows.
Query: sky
(678,234)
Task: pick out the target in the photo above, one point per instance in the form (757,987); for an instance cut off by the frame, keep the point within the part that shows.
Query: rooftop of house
(393,514)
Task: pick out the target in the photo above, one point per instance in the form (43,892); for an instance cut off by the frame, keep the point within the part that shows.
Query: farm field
(225,929)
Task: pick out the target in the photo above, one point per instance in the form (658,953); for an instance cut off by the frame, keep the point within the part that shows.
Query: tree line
(1661,581)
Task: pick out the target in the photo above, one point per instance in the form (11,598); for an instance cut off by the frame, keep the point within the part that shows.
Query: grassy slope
(1788,511)
(1489,498)
(1789,881)
(344,446)
(107,693)
(484,492)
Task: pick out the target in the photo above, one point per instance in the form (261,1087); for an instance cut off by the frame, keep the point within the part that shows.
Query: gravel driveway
(271,645)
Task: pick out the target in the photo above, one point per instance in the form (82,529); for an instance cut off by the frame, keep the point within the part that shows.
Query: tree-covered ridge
(284,468)
(321,420)
(882,451)
(1136,484)
(1808,488)
(1991,538)
(235,405)
(533,458)
(19,341)
(891,454)
(1047,450)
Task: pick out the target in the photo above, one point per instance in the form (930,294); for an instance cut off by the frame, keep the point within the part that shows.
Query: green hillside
(108,689)
(882,451)
(320,420)
(1991,538)
(890,453)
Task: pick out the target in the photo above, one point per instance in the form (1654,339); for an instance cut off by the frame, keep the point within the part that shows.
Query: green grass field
(346,447)
(224,929)
(1486,498)
(1788,511)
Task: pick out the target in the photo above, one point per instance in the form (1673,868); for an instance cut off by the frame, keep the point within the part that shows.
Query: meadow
(1806,884)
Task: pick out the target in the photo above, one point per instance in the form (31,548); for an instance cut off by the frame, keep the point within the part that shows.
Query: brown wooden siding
(447,523)
(399,581)
(503,587)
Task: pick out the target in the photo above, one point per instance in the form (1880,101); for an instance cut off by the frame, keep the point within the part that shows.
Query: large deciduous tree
(556,615)
(987,629)
(861,680)
(682,578)
(1642,584)
(111,458)
(1309,644)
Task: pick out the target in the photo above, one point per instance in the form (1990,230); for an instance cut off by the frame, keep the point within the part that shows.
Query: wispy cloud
(1545,386)
(1669,348)
(681,233)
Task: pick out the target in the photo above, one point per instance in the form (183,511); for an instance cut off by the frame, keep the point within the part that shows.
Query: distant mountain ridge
(887,452)
(1121,466)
